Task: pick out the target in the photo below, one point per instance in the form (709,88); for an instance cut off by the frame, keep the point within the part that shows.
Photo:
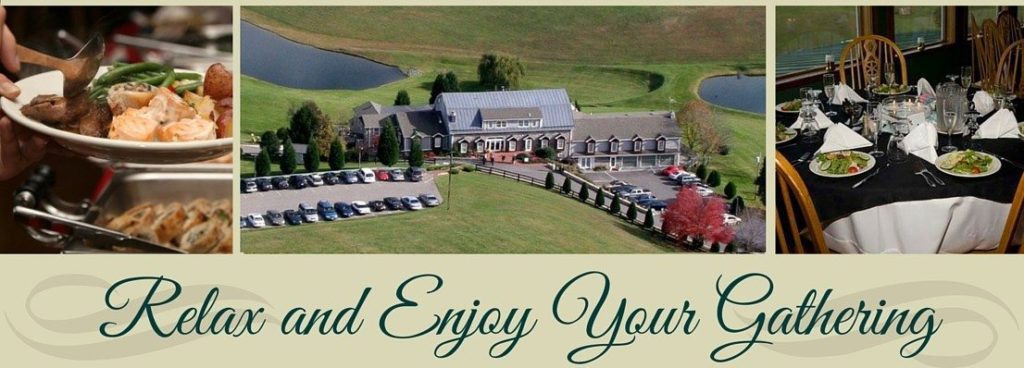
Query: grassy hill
(479,222)
(608,59)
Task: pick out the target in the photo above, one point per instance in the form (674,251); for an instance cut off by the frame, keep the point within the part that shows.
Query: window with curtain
(918,22)
(805,34)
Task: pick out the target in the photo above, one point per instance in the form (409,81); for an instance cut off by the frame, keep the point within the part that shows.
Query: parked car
(672,169)
(292,217)
(680,174)
(264,184)
(280,182)
(616,184)
(430,200)
(274,218)
(298,181)
(315,180)
(642,198)
(411,203)
(378,206)
(249,186)
(657,205)
(397,175)
(366,175)
(393,203)
(349,177)
(308,213)
(343,209)
(331,178)
(382,175)
(687,180)
(243,222)
(415,173)
(730,219)
(326,211)
(634,191)
(361,208)
(705,192)
(256,220)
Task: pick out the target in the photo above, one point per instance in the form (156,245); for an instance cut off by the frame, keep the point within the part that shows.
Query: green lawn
(488,215)
(608,59)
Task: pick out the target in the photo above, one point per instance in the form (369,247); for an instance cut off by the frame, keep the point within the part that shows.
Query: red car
(671,170)
(382,175)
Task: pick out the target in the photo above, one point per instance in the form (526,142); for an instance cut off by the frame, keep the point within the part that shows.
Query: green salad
(791,105)
(782,132)
(891,89)
(966,162)
(841,162)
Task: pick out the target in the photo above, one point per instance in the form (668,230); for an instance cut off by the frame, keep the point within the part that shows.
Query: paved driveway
(660,186)
(261,202)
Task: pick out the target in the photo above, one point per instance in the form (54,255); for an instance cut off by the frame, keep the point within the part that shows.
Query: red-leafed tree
(697,218)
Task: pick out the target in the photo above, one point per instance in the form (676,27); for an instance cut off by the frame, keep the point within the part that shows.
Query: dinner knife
(871,175)
(1004,159)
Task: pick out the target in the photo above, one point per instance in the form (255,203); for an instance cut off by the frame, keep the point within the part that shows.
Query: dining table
(897,211)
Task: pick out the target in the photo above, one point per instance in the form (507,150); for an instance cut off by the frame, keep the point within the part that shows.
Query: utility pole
(451,158)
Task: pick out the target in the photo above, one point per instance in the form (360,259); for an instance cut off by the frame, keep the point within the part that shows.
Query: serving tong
(54,221)
(78,71)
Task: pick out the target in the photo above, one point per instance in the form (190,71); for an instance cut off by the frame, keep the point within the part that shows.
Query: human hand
(8,58)
(19,148)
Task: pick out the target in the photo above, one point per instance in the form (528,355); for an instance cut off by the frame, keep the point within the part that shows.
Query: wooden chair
(795,197)
(1011,67)
(866,56)
(1009,27)
(1007,242)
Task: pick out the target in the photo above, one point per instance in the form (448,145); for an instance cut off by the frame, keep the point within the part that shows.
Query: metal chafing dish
(73,226)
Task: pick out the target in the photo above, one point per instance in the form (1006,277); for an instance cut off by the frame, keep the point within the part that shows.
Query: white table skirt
(947,225)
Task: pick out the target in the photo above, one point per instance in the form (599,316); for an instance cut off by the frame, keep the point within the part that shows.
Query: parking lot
(280,200)
(660,186)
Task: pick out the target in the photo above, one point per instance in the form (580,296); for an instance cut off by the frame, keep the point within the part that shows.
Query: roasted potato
(218,83)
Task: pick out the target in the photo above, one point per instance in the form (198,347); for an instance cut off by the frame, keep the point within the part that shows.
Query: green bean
(187,87)
(187,76)
(169,79)
(117,74)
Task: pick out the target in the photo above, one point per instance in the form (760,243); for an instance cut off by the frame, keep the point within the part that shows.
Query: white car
(366,175)
(635,192)
(316,180)
(256,220)
(705,192)
(676,175)
(361,207)
(412,203)
(730,219)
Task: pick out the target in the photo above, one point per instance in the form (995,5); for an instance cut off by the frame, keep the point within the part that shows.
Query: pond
(742,92)
(269,57)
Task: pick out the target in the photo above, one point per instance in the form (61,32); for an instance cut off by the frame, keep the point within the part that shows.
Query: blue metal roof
(554,105)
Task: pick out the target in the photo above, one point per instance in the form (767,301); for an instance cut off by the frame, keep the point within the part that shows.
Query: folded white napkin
(1002,124)
(822,121)
(921,142)
(925,92)
(917,119)
(983,102)
(845,93)
(841,138)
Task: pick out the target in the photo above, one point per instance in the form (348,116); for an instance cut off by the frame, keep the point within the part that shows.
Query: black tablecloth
(835,198)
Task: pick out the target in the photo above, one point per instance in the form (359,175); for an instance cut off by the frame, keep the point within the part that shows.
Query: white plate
(992,169)
(892,93)
(792,137)
(871,164)
(778,108)
(107,149)
(1020,130)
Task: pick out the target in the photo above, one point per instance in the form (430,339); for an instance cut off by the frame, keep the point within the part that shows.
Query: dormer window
(479,146)
(560,144)
(544,142)
(638,145)
(451,116)
(613,145)
(591,147)
(437,142)
(661,144)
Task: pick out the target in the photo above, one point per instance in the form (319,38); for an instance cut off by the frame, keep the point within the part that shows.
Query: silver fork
(934,177)
(919,170)
(803,158)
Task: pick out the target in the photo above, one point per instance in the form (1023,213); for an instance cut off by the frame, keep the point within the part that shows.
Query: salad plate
(968,164)
(841,164)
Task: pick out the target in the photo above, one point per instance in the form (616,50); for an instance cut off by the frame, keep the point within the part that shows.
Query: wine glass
(972,125)
(874,123)
(966,76)
(873,83)
(829,83)
(950,111)
(890,74)
(808,126)
(900,127)
(1008,94)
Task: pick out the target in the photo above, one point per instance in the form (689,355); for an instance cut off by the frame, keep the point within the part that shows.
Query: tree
(631,212)
(546,153)
(760,183)
(387,150)
(451,82)
(649,219)
(500,71)
(750,231)
(576,103)
(311,160)
(288,158)
(693,219)
(702,172)
(567,186)
(402,98)
(584,194)
(730,190)
(714,179)
(737,205)
(270,143)
(416,153)
(336,158)
(549,181)
(615,207)
(283,133)
(304,121)
(437,88)
(263,163)
(599,201)
(699,129)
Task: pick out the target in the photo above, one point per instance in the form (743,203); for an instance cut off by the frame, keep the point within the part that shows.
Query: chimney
(451,116)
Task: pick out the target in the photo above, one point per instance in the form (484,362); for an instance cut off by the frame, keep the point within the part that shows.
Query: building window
(479,146)
(638,145)
(661,145)
(560,144)
(512,145)
(544,143)
(591,147)
(614,146)
(527,144)
(407,143)
(918,22)
(463,147)
(798,50)
(980,13)
(437,142)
